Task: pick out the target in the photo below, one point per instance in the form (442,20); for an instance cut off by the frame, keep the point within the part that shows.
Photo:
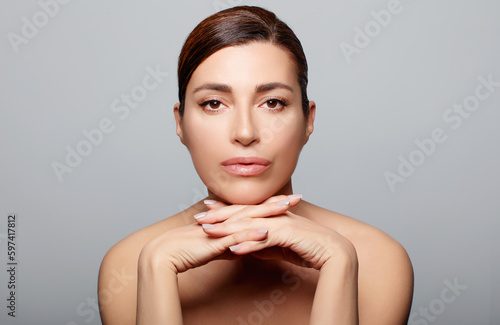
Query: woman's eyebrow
(228,89)
(214,86)
(270,86)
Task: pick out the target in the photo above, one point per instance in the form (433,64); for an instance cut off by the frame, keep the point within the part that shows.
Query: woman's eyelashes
(212,106)
(273,104)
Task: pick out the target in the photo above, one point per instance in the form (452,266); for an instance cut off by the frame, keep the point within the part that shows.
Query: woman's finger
(252,235)
(274,207)
(239,212)
(213,204)
(294,198)
(222,213)
(229,228)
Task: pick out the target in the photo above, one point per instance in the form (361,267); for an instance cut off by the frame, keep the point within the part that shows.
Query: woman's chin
(243,196)
(248,191)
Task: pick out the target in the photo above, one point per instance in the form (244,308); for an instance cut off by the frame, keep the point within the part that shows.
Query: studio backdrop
(406,139)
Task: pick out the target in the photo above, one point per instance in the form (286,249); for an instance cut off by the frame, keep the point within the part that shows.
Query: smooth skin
(254,252)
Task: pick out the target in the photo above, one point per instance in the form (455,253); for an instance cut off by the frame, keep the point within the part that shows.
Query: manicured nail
(207,226)
(295,196)
(283,202)
(208,202)
(263,231)
(200,215)
(234,248)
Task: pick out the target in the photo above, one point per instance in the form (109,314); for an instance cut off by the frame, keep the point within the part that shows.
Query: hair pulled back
(238,26)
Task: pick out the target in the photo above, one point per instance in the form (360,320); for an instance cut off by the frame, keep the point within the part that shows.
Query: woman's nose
(244,127)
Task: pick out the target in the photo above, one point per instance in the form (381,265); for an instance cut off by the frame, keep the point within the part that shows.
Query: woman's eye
(274,104)
(212,104)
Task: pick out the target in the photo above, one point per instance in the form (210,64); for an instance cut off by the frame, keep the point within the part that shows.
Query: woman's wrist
(151,263)
(335,300)
(341,255)
(157,291)
(345,268)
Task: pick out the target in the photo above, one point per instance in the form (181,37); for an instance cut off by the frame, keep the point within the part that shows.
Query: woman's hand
(176,251)
(301,241)
(269,231)
(290,237)
(188,247)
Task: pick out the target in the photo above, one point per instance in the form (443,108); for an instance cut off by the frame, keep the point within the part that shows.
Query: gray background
(370,111)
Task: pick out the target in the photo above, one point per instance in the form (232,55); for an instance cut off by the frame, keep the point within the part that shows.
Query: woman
(252,252)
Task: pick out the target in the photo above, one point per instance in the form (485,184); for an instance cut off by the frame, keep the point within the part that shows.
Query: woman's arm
(158,299)
(174,252)
(336,297)
(385,282)
(177,251)
(313,245)
(155,295)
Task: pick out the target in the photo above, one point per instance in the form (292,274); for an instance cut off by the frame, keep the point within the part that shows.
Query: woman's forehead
(246,66)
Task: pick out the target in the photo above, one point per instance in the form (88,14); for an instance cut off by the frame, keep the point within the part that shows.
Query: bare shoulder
(385,270)
(117,284)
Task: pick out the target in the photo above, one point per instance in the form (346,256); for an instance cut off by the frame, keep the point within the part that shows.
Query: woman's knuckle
(238,237)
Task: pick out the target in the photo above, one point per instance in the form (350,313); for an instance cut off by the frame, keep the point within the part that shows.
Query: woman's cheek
(200,133)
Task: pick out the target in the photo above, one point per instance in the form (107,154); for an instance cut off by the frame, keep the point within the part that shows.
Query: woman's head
(239,26)
(241,113)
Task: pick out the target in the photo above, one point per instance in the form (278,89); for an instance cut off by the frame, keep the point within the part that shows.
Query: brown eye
(272,103)
(214,104)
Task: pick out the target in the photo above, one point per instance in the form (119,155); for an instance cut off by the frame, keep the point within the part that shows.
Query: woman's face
(243,122)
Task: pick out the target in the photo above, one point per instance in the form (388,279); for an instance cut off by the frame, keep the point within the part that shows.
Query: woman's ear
(178,122)
(310,120)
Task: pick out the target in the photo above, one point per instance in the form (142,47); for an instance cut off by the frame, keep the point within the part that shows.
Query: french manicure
(207,226)
(234,248)
(295,196)
(262,231)
(208,202)
(200,215)
(283,202)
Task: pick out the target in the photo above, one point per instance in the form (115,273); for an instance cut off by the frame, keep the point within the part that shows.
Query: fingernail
(283,202)
(208,202)
(263,231)
(234,248)
(207,226)
(199,215)
(295,196)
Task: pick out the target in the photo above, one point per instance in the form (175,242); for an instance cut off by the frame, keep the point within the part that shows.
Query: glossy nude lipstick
(245,166)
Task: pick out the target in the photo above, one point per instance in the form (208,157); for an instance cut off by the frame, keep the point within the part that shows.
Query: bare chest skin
(247,291)
(253,291)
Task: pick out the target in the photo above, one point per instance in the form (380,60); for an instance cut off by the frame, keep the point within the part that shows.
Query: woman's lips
(245,166)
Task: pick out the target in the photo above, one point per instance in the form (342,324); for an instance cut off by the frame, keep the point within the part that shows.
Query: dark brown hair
(238,26)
